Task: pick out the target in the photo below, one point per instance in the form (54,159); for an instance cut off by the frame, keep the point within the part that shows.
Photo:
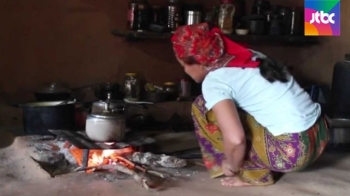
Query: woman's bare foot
(234,182)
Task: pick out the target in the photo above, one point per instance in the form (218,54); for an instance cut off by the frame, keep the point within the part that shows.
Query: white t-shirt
(279,107)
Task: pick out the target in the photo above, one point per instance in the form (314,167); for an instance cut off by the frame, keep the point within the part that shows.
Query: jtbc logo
(324,17)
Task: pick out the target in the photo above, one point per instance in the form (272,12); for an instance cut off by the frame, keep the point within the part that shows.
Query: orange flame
(98,157)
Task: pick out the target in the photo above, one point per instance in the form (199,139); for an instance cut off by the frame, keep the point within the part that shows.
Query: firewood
(150,159)
(147,180)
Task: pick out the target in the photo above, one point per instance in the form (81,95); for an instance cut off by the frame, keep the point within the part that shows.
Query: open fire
(100,156)
(127,159)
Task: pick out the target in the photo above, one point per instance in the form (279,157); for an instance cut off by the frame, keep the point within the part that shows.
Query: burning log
(153,160)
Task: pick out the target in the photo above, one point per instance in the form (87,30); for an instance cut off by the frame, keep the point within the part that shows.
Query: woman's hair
(269,69)
(272,70)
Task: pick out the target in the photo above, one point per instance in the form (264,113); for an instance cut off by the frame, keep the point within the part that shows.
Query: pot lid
(106,115)
(54,88)
(46,104)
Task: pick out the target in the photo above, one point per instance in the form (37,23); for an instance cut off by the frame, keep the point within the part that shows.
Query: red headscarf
(210,47)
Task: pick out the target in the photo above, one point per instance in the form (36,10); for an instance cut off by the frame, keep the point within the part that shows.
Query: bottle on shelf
(226,14)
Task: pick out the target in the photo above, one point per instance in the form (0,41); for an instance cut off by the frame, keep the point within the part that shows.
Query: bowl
(242,31)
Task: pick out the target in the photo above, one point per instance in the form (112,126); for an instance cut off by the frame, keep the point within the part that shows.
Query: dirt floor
(21,176)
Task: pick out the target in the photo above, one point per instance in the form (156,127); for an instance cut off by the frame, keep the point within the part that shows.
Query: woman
(279,128)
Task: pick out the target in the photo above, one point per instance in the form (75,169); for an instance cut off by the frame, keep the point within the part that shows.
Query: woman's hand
(233,135)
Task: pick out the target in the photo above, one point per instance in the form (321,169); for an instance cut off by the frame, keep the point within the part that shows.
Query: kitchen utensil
(52,92)
(106,126)
(39,117)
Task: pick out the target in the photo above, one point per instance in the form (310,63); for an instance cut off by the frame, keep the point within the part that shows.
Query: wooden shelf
(249,39)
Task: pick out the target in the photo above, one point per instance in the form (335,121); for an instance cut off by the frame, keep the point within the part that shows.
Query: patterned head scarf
(210,47)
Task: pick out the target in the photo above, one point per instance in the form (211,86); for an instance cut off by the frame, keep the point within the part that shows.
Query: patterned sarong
(266,153)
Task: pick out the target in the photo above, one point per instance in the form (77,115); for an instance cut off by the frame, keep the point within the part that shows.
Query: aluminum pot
(39,117)
(106,126)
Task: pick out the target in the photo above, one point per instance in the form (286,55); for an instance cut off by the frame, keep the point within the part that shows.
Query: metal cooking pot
(52,92)
(39,117)
(107,126)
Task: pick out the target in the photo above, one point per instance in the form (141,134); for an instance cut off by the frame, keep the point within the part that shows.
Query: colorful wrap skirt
(265,153)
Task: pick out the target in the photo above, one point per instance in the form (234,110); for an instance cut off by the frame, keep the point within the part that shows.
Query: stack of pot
(53,110)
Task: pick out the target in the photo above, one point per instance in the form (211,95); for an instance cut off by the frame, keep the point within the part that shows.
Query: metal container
(115,106)
(171,90)
(39,117)
(131,87)
(52,92)
(193,17)
(340,136)
(106,126)
(339,133)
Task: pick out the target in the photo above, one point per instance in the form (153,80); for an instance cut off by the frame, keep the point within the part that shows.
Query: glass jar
(131,87)
(226,13)
(170,89)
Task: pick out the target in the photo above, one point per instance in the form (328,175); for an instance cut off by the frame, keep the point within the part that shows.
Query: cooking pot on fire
(105,126)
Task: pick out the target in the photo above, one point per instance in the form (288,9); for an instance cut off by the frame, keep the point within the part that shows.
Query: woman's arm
(233,134)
